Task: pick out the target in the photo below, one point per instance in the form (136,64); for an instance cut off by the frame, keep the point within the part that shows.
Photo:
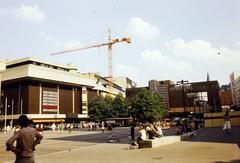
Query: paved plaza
(210,145)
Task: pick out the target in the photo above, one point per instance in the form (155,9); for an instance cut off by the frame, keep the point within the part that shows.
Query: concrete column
(0,85)
(12,112)
(58,99)
(2,69)
(5,115)
(21,106)
(73,101)
(40,98)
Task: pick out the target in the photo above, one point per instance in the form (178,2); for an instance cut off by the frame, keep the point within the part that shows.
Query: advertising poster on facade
(49,101)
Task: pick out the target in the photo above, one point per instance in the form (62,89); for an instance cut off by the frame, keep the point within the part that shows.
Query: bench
(157,142)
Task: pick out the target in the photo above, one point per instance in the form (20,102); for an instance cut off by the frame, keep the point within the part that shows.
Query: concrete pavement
(210,145)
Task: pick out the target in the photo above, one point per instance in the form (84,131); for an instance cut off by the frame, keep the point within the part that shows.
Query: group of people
(190,124)
(28,137)
(184,126)
(145,132)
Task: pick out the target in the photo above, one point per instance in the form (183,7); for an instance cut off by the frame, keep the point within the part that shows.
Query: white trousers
(226,125)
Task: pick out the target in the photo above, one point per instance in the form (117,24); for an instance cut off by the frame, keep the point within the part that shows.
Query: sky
(171,40)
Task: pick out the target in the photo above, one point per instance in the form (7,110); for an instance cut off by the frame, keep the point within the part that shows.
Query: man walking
(27,138)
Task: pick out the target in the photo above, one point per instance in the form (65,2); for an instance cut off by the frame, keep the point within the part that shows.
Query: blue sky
(171,40)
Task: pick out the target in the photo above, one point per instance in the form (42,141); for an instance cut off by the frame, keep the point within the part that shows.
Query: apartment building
(162,88)
(235,88)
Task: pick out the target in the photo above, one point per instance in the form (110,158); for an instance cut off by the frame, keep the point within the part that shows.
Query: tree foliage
(119,107)
(100,108)
(147,106)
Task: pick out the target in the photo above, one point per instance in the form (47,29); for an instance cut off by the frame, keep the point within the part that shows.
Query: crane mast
(110,62)
(109,44)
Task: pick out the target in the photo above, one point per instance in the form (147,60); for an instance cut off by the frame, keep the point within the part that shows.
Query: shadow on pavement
(97,138)
(231,161)
(121,138)
(218,135)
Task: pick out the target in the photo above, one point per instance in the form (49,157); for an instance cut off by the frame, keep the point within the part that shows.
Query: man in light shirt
(27,138)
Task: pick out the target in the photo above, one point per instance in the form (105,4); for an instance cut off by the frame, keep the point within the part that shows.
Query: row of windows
(38,64)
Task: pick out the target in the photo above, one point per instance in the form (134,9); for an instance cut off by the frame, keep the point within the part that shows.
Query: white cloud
(194,49)
(29,13)
(191,61)
(156,60)
(125,70)
(142,29)
(50,39)
(70,44)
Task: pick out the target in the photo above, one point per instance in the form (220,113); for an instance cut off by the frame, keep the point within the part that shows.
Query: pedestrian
(70,128)
(109,127)
(132,131)
(102,127)
(158,130)
(27,138)
(109,132)
(142,136)
(226,125)
(53,127)
(8,129)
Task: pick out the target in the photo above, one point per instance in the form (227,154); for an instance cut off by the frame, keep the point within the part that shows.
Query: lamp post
(5,116)
(183,85)
(12,113)
(193,97)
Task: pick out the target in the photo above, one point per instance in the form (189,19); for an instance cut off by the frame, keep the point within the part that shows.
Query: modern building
(125,83)
(200,97)
(235,89)
(226,97)
(48,92)
(132,92)
(162,88)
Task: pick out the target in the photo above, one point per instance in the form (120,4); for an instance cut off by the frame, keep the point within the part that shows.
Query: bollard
(129,133)
(118,136)
(109,136)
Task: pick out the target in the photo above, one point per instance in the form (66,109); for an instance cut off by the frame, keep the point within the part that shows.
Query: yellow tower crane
(109,44)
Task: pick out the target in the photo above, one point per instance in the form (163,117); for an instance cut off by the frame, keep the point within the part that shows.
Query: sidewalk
(218,135)
(210,145)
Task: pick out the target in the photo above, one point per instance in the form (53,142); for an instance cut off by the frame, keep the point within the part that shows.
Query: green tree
(119,107)
(100,108)
(147,106)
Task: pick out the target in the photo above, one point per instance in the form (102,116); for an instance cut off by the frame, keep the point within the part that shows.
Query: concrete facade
(235,88)
(179,102)
(207,95)
(125,83)
(48,92)
(226,98)
(162,88)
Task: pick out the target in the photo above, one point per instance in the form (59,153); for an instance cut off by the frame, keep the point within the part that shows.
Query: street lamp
(183,85)
(193,97)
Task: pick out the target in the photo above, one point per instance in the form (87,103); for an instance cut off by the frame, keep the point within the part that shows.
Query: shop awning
(47,120)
